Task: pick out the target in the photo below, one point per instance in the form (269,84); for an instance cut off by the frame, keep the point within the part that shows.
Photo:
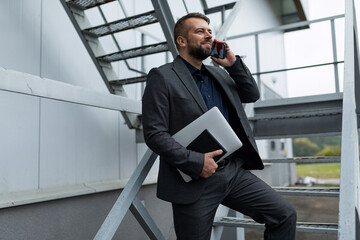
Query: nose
(208,34)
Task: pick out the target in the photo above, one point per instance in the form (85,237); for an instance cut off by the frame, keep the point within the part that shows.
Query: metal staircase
(90,36)
(278,118)
(328,114)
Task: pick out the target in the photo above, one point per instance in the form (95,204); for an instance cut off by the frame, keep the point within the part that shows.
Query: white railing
(256,34)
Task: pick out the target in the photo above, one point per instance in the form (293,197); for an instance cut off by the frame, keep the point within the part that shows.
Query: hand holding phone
(218,49)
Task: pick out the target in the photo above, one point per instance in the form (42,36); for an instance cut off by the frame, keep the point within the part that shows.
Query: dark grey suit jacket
(171,101)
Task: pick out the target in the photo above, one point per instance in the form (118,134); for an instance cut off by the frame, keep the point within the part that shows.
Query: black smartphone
(218,50)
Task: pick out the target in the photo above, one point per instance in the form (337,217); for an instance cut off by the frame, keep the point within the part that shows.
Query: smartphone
(218,49)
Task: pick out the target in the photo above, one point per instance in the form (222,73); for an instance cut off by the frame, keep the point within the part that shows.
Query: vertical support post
(222,15)
(349,177)
(257,53)
(240,232)
(217,231)
(142,62)
(334,49)
(357,67)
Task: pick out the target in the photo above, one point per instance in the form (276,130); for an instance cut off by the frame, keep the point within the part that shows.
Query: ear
(181,41)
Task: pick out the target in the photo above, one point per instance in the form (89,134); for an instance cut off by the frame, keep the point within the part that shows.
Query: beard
(199,52)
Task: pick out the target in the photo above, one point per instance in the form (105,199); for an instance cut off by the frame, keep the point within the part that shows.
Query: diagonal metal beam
(127,196)
(167,23)
(229,21)
(143,217)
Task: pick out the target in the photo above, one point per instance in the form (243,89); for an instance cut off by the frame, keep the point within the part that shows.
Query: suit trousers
(242,191)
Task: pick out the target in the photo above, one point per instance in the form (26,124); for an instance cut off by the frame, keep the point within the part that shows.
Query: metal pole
(186,9)
(257,54)
(222,15)
(336,70)
(142,62)
(349,177)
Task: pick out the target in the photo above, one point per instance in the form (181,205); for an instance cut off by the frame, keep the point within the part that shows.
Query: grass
(323,170)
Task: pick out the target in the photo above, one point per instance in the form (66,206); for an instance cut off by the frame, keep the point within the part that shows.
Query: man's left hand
(229,59)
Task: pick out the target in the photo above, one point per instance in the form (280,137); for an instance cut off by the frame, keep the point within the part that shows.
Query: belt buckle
(221,164)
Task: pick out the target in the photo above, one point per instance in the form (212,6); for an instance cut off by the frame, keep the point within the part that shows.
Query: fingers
(215,153)
(210,165)
(220,41)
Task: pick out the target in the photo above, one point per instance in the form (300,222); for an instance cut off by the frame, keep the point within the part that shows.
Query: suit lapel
(185,76)
(219,79)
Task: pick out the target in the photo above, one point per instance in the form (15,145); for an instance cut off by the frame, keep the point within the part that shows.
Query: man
(176,94)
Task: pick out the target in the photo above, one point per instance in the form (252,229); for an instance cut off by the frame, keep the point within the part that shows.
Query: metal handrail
(256,34)
(285,27)
(298,68)
(349,176)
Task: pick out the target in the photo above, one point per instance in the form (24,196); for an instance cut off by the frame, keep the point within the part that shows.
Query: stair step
(297,124)
(304,114)
(128,80)
(122,24)
(86,4)
(304,160)
(135,52)
(309,191)
(323,228)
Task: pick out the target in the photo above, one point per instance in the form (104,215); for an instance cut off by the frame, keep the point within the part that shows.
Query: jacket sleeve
(156,109)
(245,83)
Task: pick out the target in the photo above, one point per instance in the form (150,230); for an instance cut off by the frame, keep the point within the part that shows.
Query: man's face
(199,38)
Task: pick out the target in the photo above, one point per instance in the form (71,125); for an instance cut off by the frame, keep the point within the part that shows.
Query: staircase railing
(335,62)
(349,193)
(349,178)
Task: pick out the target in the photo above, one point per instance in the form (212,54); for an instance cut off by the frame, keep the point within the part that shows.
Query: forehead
(193,23)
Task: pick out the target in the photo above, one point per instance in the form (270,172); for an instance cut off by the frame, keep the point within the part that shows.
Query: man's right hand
(210,165)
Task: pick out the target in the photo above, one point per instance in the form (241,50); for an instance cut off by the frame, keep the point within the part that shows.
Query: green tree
(330,151)
(304,147)
(324,141)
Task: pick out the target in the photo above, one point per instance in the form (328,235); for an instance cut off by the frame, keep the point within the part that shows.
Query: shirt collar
(191,68)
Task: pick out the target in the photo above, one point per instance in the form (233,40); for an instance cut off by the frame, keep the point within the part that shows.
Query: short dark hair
(179,29)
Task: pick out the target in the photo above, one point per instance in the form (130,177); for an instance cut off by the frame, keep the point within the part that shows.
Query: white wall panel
(19,142)
(78,144)
(20,24)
